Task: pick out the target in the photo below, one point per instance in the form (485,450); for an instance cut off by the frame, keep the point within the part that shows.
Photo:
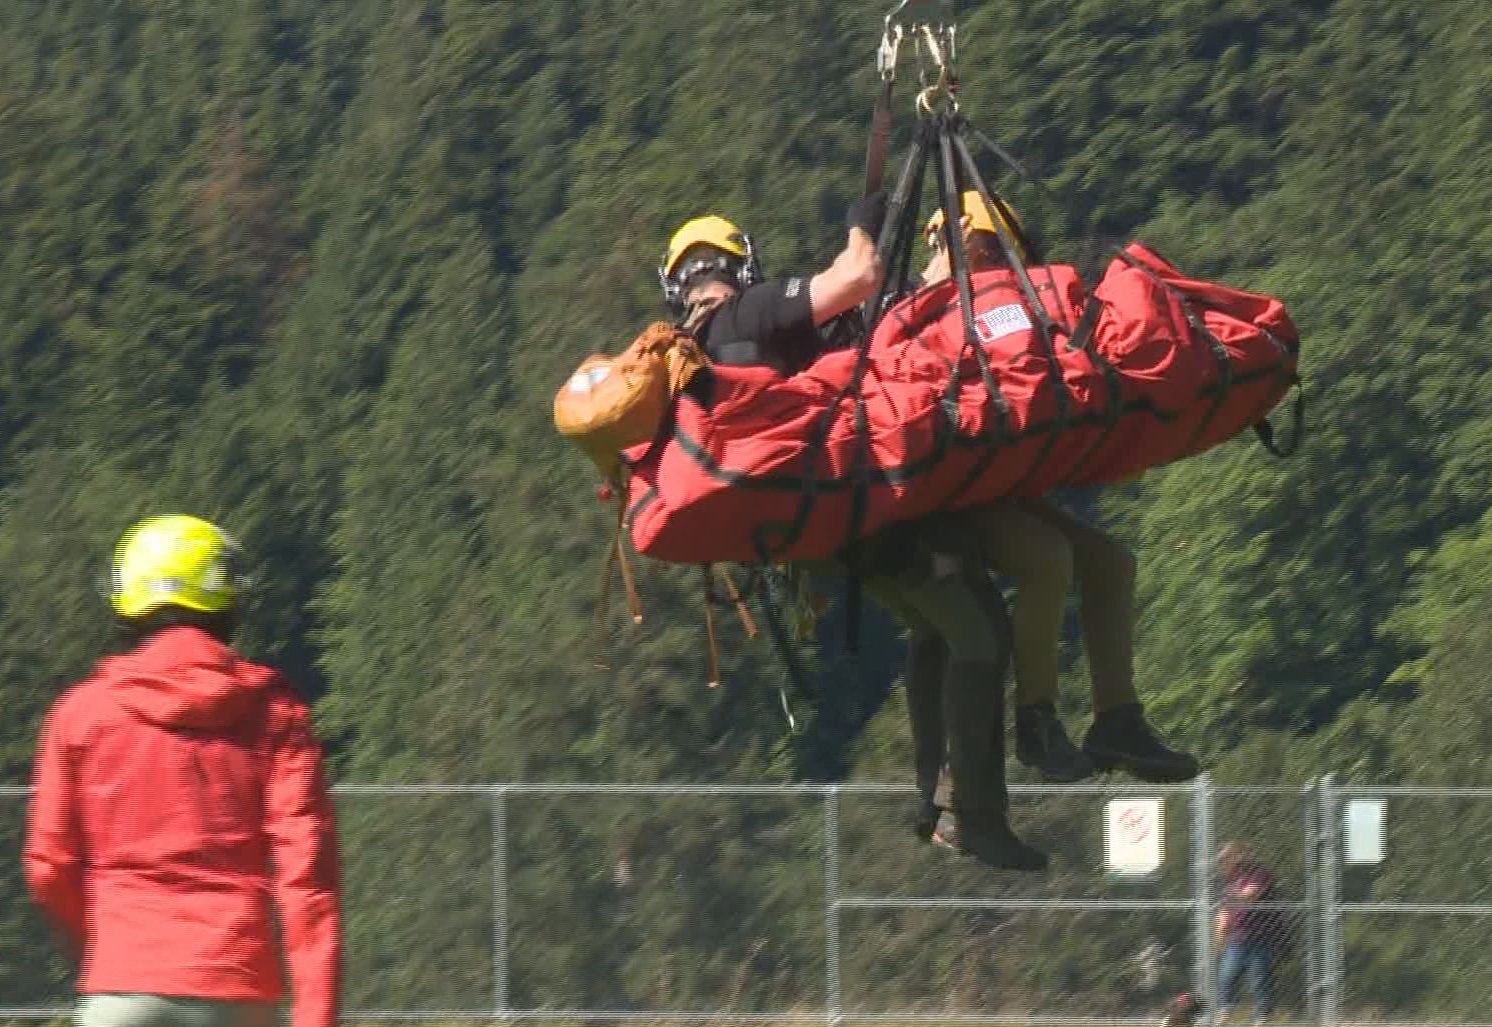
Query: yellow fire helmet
(726,248)
(175,561)
(977,218)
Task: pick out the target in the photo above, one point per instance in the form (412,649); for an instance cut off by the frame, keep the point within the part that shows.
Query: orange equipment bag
(614,403)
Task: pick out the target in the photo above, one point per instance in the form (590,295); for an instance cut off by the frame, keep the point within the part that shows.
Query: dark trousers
(932,576)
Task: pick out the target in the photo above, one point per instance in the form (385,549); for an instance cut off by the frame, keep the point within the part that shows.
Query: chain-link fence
(816,904)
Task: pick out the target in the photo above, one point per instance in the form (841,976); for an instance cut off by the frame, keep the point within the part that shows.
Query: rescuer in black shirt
(925,571)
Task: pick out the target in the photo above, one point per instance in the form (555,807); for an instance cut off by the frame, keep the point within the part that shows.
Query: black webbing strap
(894,245)
(896,218)
(768,585)
(1005,155)
(1020,169)
(1007,240)
(1082,339)
(898,265)
(859,500)
(1265,430)
(946,426)
(1034,254)
(1263,427)
(773,539)
(897,268)
(998,434)
(1082,332)
(958,267)
(880,139)
(1214,345)
(1048,327)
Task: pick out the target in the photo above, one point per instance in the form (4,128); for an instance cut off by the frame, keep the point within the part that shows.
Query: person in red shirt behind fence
(1249,931)
(181,812)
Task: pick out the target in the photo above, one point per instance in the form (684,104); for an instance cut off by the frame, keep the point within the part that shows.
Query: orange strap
(742,610)
(634,604)
(710,626)
(617,553)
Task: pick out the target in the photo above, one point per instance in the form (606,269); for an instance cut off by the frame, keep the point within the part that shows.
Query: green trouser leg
(975,714)
(927,661)
(935,579)
(951,601)
(1045,549)
(120,1010)
(974,710)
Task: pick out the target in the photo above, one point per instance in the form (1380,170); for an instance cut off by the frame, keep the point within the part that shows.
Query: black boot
(987,836)
(1121,738)
(975,715)
(925,820)
(1041,742)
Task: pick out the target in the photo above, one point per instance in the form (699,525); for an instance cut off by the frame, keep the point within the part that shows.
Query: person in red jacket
(180,810)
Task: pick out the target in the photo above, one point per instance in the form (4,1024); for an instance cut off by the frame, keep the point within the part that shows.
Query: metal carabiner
(940,43)
(888,52)
(912,11)
(933,47)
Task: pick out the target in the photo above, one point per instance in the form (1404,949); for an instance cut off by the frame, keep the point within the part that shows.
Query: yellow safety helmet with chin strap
(176,561)
(714,244)
(978,218)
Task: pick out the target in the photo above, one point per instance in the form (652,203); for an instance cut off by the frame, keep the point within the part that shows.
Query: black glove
(868,213)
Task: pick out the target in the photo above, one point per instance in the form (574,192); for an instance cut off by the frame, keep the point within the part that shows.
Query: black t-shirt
(768,325)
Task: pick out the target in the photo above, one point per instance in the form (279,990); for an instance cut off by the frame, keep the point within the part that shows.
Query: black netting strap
(1082,339)
(898,231)
(771,540)
(1265,430)
(768,586)
(1214,345)
(1009,244)
(880,138)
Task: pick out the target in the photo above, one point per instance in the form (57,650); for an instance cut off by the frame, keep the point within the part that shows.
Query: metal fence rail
(1332,967)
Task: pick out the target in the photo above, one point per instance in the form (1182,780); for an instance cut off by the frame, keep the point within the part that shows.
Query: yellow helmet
(175,561)
(978,218)
(732,254)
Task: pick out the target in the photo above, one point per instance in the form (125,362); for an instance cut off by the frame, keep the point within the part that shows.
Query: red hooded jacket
(179,805)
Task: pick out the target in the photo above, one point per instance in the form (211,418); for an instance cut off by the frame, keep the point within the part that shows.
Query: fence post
(1204,977)
(1330,925)
(832,996)
(500,1000)
(1312,834)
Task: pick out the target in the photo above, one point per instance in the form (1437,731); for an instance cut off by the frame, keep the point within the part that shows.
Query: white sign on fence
(1363,826)
(1133,836)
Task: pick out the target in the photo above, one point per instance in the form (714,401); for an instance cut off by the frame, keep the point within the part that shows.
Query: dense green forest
(314,268)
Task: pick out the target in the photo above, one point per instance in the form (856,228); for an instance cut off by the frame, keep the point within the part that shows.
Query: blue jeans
(1251,959)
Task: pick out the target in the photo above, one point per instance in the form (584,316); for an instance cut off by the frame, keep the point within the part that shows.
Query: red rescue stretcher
(1150,368)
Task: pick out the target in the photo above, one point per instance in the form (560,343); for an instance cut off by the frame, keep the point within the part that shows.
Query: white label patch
(585,381)
(1002,321)
(793,287)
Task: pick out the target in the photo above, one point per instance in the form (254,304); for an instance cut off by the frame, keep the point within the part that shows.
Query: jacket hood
(182,677)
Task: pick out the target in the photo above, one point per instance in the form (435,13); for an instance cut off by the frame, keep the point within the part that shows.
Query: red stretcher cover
(793,468)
